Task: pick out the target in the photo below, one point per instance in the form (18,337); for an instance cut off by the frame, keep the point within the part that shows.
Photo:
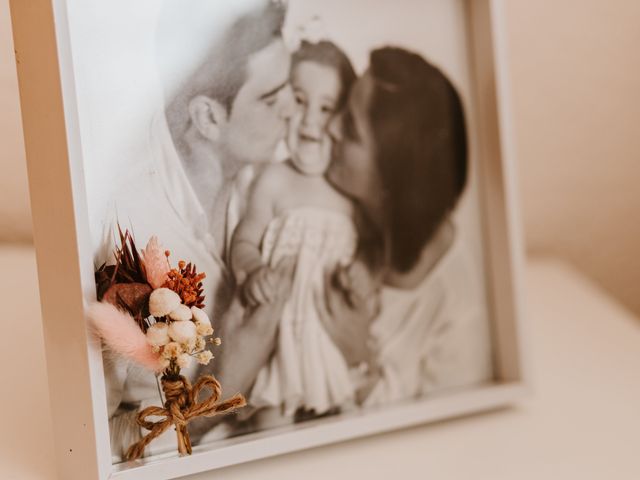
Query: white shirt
(157,199)
(436,335)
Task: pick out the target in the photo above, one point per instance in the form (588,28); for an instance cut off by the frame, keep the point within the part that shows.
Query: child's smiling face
(316,89)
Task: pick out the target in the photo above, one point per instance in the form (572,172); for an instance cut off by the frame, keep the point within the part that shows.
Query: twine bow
(180,407)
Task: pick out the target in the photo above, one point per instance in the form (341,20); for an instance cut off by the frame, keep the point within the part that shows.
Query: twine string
(182,405)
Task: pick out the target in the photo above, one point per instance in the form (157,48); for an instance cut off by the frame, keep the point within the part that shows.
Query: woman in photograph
(401,154)
(293,211)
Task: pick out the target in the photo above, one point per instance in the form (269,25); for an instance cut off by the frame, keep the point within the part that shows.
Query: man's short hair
(219,65)
(421,148)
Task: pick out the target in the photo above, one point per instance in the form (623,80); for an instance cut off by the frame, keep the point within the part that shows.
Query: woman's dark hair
(418,124)
(329,54)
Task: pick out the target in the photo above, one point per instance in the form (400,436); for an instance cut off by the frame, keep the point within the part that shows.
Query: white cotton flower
(163,301)
(158,334)
(181,312)
(204,329)
(183,360)
(200,316)
(183,331)
(204,357)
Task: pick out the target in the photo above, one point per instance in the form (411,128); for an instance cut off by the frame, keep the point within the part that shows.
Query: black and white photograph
(315,160)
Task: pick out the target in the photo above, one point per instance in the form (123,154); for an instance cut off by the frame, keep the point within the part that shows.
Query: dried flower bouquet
(154,315)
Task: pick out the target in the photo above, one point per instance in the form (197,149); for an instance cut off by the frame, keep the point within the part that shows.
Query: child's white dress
(307,369)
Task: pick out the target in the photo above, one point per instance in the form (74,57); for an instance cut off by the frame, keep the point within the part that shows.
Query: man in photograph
(227,108)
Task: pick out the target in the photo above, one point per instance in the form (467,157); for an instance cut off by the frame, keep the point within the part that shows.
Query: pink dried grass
(121,333)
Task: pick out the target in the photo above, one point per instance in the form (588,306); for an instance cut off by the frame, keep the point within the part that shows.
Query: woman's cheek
(362,172)
(351,180)
(327,146)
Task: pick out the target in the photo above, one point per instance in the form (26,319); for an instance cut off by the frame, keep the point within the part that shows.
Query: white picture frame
(66,269)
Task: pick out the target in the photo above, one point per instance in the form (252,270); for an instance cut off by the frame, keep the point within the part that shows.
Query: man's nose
(288,102)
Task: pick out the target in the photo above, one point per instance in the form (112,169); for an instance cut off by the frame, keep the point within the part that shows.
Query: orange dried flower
(187,283)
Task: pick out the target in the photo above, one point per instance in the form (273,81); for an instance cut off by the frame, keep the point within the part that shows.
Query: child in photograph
(294,212)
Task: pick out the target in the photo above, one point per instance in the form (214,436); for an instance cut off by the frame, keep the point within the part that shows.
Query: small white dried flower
(217,341)
(183,331)
(190,346)
(204,329)
(183,360)
(204,357)
(164,363)
(200,344)
(181,312)
(200,316)
(163,301)
(172,350)
(158,334)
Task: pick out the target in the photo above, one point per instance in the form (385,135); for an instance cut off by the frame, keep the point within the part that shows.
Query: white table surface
(582,421)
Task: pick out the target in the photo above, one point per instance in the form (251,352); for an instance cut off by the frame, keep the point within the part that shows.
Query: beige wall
(15,223)
(576,84)
(576,81)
